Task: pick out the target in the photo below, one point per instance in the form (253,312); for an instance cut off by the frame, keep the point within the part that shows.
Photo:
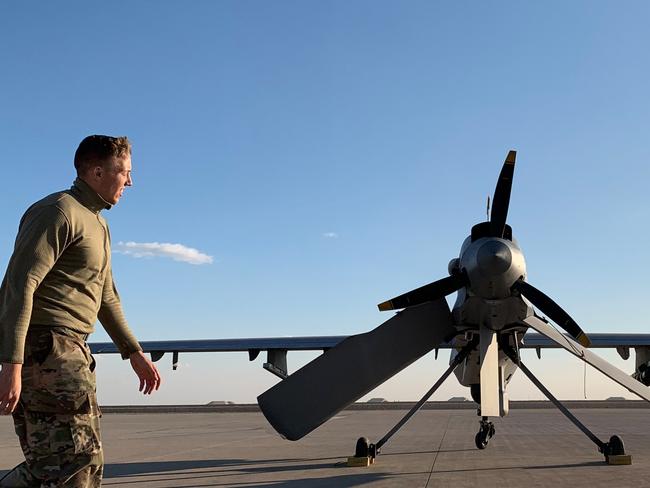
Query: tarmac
(531,448)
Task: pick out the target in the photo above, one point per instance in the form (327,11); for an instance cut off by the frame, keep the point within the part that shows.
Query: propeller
(432,291)
(319,390)
(501,198)
(552,310)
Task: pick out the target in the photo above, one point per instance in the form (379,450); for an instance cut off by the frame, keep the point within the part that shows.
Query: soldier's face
(113,178)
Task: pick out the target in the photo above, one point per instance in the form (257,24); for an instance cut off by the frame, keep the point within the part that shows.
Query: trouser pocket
(78,434)
(61,417)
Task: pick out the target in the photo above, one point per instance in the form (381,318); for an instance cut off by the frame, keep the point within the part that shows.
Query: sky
(295,163)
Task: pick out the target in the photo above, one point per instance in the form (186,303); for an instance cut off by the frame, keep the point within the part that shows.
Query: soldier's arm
(112,318)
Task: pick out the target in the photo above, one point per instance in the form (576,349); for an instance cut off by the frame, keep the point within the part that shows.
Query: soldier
(58,282)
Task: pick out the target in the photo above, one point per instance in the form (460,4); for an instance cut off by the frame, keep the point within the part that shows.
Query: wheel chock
(614,452)
(364,454)
(360,461)
(619,459)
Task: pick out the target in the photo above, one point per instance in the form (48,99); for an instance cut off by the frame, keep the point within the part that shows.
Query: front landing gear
(485,433)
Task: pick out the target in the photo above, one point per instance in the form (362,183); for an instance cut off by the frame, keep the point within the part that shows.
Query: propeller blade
(552,310)
(322,388)
(432,291)
(501,198)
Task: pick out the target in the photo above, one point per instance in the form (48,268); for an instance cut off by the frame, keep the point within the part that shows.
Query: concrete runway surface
(532,448)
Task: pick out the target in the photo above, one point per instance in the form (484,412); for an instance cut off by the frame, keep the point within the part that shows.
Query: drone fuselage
(492,265)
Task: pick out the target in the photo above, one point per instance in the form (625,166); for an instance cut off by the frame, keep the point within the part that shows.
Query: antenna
(488,208)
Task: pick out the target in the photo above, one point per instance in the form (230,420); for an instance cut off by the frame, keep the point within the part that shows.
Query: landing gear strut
(614,451)
(365,450)
(485,433)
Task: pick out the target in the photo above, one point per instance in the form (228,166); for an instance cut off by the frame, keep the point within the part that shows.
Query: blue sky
(329,155)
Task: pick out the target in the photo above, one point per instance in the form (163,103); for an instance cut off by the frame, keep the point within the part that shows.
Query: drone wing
(343,374)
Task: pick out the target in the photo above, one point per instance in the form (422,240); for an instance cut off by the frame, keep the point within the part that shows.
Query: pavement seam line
(435,458)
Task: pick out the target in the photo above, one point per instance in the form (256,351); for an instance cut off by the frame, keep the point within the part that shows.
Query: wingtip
(512,155)
(386,306)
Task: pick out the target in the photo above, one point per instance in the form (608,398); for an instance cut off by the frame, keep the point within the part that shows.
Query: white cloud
(331,235)
(178,252)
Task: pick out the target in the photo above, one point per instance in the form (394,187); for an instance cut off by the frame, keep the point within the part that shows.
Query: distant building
(221,402)
(616,399)
(458,399)
(377,400)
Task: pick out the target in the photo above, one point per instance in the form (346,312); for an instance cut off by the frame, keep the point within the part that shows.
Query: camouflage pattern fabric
(57,419)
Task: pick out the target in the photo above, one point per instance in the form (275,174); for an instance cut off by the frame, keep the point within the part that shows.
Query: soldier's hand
(10,384)
(147,372)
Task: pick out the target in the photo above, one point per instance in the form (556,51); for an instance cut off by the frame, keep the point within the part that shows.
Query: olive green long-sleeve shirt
(60,273)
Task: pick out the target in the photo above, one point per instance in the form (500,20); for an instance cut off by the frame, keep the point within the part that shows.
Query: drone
(489,324)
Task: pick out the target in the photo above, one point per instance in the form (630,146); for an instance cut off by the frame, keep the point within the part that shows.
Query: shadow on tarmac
(588,464)
(434,451)
(201,470)
(147,468)
(166,471)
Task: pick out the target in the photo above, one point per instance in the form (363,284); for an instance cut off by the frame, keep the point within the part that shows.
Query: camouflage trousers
(57,419)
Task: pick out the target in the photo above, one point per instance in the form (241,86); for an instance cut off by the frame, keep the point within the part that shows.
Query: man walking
(57,284)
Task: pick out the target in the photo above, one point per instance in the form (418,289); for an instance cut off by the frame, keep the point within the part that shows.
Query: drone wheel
(362,448)
(615,446)
(481,439)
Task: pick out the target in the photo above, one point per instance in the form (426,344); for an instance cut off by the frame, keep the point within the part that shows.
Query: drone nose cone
(494,257)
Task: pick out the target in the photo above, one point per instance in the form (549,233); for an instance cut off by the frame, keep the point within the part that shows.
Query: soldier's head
(104,163)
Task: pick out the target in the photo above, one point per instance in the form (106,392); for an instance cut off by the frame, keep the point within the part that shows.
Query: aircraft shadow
(141,469)
(345,481)
(165,471)
(589,464)
(147,468)
(434,451)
